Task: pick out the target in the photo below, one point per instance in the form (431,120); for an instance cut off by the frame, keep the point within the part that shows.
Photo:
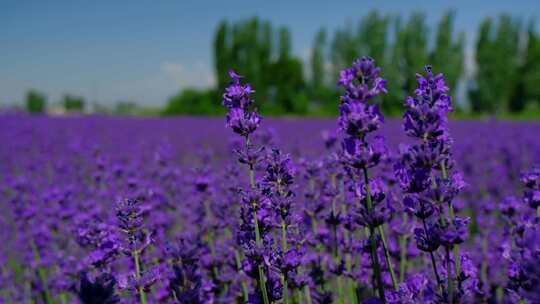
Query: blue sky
(145,51)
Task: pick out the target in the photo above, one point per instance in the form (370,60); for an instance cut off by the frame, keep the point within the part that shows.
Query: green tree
(415,51)
(322,96)
(447,57)
(284,42)
(373,36)
(317,62)
(221,54)
(497,58)
(245,46)
(73,103)
(36,102)
(194,102)
(481,97)
(125,108)
(393,71)
(288,78)
(507,61)
(343,49)
(530,69)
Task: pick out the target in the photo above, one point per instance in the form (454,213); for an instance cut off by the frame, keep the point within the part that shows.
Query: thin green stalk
(374,255)
(433,262)
(298,296)
(376,265)
(142,295)
(388,259)
(336,253)
(239,269)
(210,240)
(308,294)
(210,237)
(348,266)
(258,242)
(42,274)
(313,224)
(284,249)
(449,277)
(403,258)
(348,262)
(455,247)
(340,289)
(334,228)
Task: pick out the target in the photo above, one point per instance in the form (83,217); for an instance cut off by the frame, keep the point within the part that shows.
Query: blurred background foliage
(502,79)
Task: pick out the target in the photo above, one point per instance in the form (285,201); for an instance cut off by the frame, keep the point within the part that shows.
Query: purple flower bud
(237,95)
(359,155)
(242,122)
(358,118)
(98,290)
(454,232)
(419,205)
(427,240)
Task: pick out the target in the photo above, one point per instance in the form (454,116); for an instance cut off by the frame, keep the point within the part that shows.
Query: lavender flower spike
(358,119)
(244,121)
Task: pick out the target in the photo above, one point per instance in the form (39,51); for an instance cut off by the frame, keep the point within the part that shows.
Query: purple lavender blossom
(358,119)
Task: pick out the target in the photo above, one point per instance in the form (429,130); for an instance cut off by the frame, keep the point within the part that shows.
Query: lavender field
(282,210)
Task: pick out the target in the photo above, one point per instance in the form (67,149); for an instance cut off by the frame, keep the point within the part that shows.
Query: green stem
(298,296)
(388,258)
(374,255)
(42,274)
(142,295)
(449,277)
(284,249)
(63,298)
(340,289)
(403,258)
(210,237)
(433,262)
(239,269)
(258,242)
(210,240)
(455,247)
(308,294)
(348,266)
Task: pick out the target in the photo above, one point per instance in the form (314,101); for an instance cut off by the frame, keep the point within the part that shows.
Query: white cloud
(198,74)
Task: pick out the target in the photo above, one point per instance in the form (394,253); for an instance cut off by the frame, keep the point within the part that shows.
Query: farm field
(64,178)
(269,152)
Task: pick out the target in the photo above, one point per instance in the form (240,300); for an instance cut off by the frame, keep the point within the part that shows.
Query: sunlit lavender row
(244,209)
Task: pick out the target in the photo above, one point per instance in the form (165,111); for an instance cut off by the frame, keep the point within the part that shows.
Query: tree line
(505,69)
(503,75)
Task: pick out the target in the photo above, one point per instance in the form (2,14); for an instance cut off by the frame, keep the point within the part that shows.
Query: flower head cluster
(523,271)
(358,120)
(427,111)
(422,171)
(362,82)
(237,98)
(130,221)
(531,181)
(102,241)
(97,290)
(185,279)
